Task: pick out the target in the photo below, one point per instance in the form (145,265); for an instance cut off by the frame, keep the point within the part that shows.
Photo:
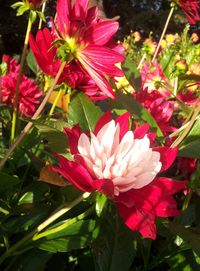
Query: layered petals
(85,41)
(122,164)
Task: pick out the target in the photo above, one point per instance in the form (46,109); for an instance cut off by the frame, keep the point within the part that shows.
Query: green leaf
(27,198)
(83,111)
(190,235)
(191,150)
(7,182)
(184,261)
(31,62)
(167,62)
(194,132)
(65,244)
(32,260)
(127,101)
(114,249)
(79,228)
(131,73)
(51,130)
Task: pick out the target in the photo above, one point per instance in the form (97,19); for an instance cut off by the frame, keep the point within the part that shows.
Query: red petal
(101,32)
(63,10)
(167,156)
(75,173)
(169,185)
(104,186)
(103,55)
(98,79)
(123,121)
(141,131)
(139,220)
(80,9)
(105,118)
(73,135)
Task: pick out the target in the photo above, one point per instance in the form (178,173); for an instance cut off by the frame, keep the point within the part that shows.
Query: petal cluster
(29,93)
(85,41)
(122,164)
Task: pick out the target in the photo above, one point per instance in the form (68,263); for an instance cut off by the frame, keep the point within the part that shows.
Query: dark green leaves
(132,74)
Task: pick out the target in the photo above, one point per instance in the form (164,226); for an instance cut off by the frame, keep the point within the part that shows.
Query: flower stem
(57,214)
(141,61)
(43,9)
(163,33)
(37,113)
(186,131)
(15,106)
(56,101)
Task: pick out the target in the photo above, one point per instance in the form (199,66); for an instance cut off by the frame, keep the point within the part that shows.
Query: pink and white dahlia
(28,93)
(83,40)
(123,165)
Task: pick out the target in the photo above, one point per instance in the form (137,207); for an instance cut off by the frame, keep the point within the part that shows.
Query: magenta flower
(161,110)
(191,9)
(153,78)
(84,41)
(123,165)
(28,91)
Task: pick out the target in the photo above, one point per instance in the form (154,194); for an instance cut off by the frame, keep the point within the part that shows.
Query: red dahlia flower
(161,110)
(84,41)
(191,9)
(122,164)
(28,91)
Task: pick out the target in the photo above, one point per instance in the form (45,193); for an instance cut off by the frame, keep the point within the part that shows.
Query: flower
(123,165)
(85,41)
(34,4)
(191,9)
(153,78)
(28,91)
(161,110)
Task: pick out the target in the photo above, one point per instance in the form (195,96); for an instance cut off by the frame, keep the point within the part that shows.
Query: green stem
(37,113)
(57,214)
(61,227)
(55,101)
(186,131)
(163,33)
(15,106)
(43,9)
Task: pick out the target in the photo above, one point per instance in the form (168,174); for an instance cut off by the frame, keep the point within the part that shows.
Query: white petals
(130,164)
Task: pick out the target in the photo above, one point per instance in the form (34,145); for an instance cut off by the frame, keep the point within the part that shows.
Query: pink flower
(153,78)
(28,92)
(122,165)
(84,41)
(161,110)
(191,9)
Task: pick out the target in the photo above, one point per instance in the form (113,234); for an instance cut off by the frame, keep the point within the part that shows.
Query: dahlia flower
(191,9)
(85,41)
(122,164)
(28,93)
(161,110)
(153,78)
